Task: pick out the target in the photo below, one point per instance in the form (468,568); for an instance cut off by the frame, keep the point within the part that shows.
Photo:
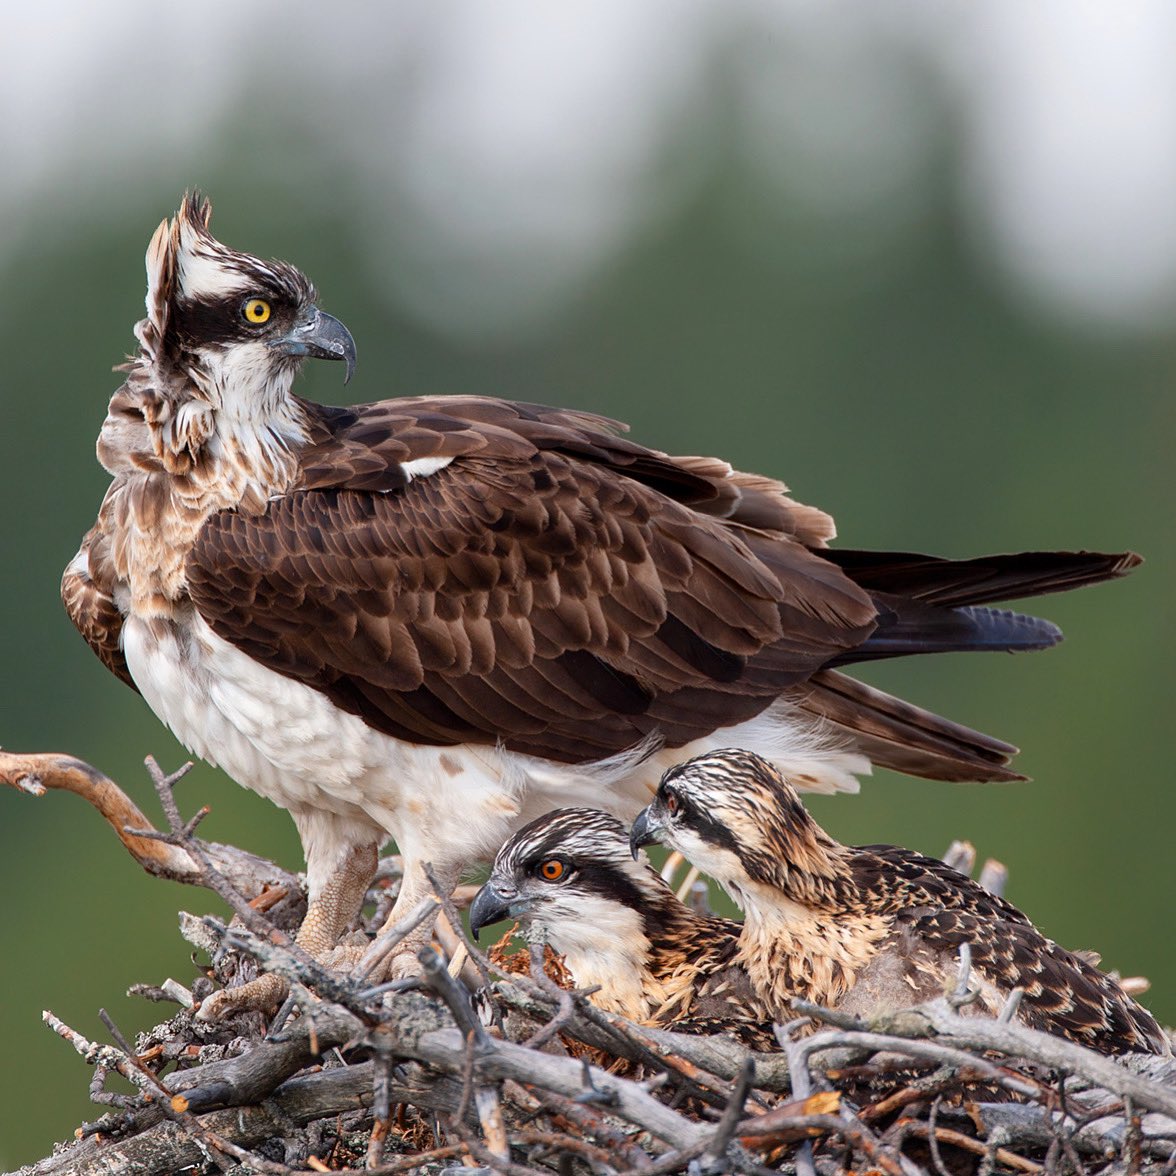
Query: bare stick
(455,922)
(961,995)
(715,1154)
(967,1143)
(1017,1040)
(35,774)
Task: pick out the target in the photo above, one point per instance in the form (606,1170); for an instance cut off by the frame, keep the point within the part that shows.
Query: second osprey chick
(871,927)
(571,880)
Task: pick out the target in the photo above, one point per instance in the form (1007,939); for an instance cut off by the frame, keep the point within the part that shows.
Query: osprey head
(732,814)
(570,879)
(238,326)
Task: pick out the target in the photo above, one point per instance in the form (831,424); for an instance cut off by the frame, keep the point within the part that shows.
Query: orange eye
(256,311)
(552,870)
(673,804)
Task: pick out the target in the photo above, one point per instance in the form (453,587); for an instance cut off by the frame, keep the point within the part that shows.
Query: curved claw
(263,995)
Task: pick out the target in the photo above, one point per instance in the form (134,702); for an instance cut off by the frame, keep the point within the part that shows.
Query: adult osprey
(436,619)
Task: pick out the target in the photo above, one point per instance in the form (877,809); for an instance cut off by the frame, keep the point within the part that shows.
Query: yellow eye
(256,310)
(552,870)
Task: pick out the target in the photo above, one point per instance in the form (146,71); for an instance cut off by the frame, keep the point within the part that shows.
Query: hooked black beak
(644,831)
(491,906)
(319,336)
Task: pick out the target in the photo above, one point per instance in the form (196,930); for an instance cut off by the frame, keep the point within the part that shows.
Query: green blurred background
(916,260)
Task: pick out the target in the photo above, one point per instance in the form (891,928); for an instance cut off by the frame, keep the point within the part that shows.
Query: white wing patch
(422,467)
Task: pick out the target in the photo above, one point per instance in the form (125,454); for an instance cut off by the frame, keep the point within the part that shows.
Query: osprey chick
(874,926)
(435,619)
(571,880)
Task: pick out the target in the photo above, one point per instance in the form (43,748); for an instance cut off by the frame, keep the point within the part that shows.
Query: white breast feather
(290,743)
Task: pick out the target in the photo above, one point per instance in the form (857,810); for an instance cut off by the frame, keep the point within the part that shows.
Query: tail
(898,735)
(932,605)
(952,583)
(905,628)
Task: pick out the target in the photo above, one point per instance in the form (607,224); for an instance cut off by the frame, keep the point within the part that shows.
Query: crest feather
(163,253)
(160,277)
(195,210)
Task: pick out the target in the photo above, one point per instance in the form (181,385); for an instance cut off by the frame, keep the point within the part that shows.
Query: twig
(437,977)
(35,774)
(712,1159)
(1018,1040)
(1132,1139)
(913,1044)
(182,838)
(802,1087)
(407,1163)
(458,926)
(539,998)
(587,1119)
(1011,1006)
(994,877)
(933,1138)
(787,1122)
(961,995)
(967,1143)
(98,1054)
(558,1141)
(563,1016)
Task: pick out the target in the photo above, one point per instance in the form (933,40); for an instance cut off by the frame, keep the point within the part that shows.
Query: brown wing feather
(87,593)
(1064,992)
(552,587)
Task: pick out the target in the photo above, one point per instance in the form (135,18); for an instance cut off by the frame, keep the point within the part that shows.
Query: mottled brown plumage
(557,589)
(553,587)
(870,927)
(618,925)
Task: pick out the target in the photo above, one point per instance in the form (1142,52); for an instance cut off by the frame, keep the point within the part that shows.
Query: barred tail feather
(907,628)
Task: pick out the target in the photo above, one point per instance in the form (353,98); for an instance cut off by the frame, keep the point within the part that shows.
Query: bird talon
(264,994)
(401,966)
(345,957)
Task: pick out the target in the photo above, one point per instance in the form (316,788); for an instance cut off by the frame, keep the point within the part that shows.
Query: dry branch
(35,774)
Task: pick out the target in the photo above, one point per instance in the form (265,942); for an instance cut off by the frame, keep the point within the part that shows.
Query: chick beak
(644,831)
(490,906)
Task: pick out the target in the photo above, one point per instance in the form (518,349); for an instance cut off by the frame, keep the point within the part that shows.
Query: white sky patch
(1072,177)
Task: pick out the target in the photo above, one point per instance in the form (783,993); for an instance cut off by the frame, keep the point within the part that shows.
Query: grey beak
(319,336)
(644,831)
(489,906)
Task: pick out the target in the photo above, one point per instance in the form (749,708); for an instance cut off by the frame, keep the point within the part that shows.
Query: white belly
(348,784)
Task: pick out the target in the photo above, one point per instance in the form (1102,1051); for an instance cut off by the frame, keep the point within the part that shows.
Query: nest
(492,1062)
